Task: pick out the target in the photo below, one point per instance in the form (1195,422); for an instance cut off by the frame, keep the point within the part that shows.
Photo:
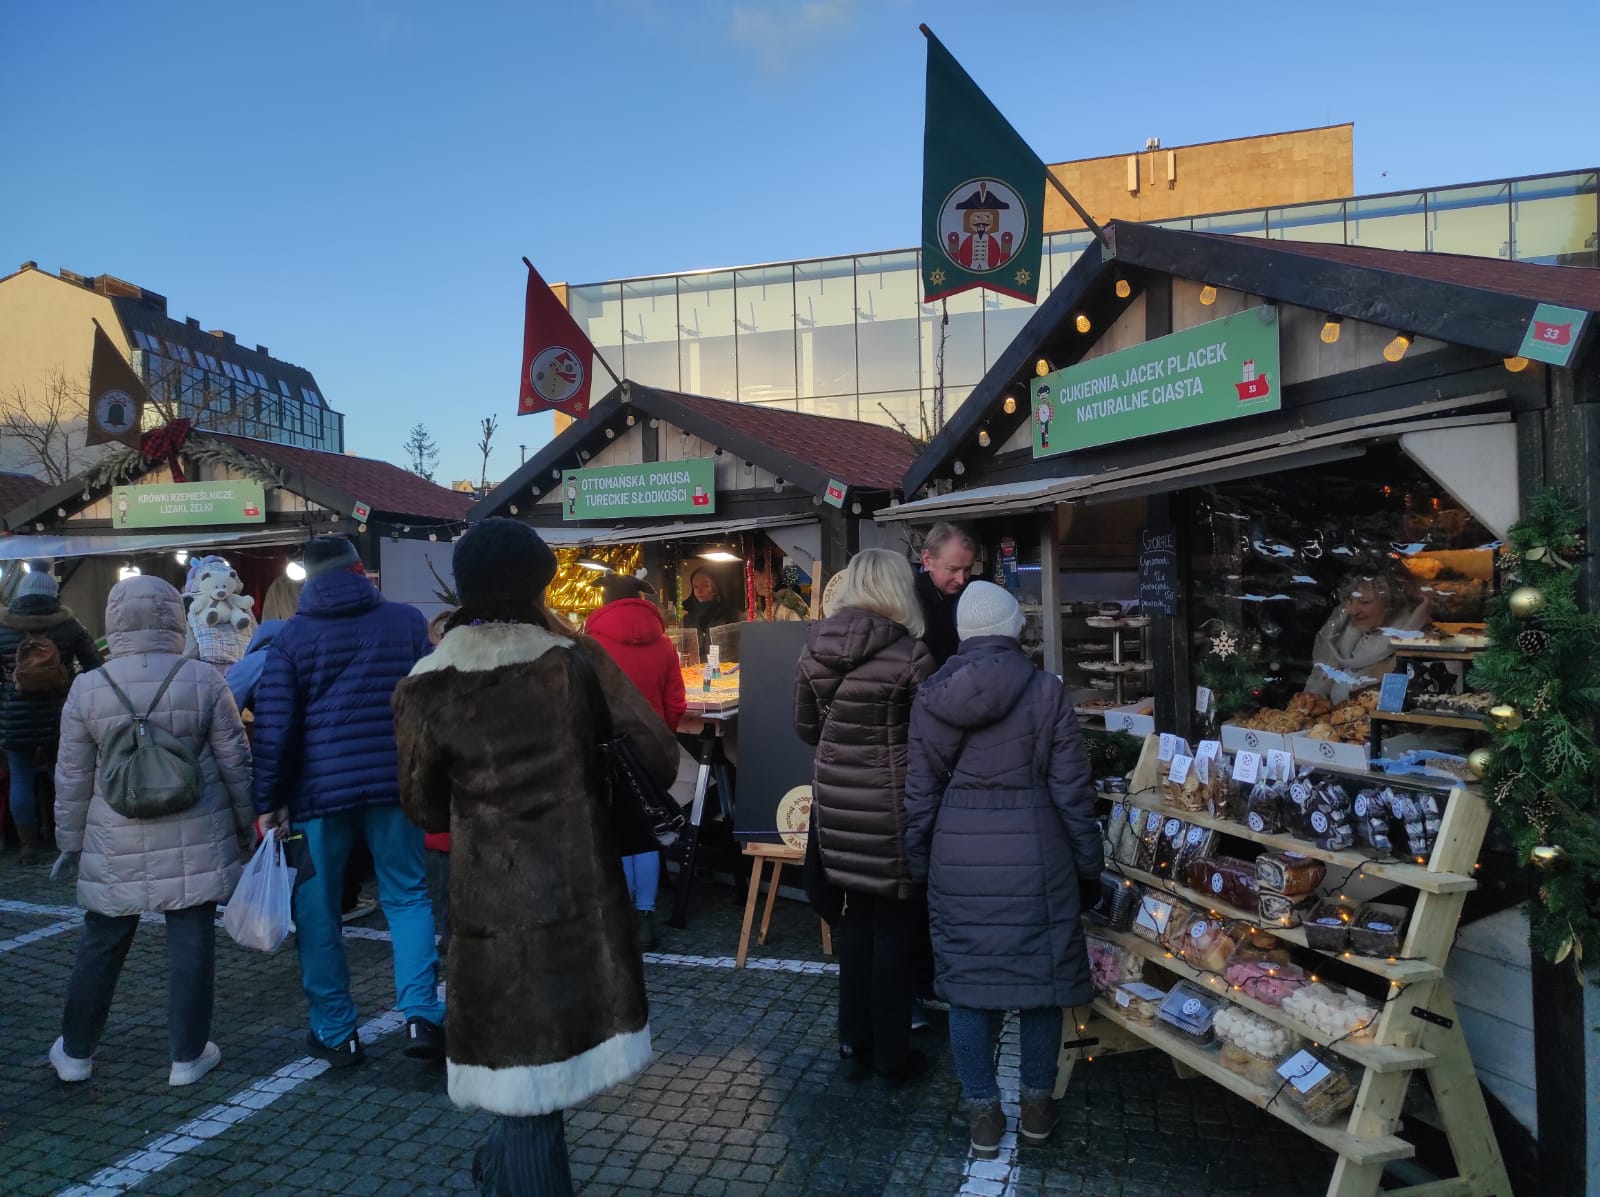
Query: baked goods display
(1251,1045)
(1139,1001)
(1282,910)
(1110,964)
(1264,807)
(1225,878)
(1318,1089)
(1261,946)
(1118,900)
(1149,846)
(1332,1013)
(1417,815)
(1314,716)
(1372,811)
(1328,925)
(1455,704)
(1376,929)
(1289,872)
(1208,944)
(1270,984)
(1154,916)
(1188,1010)
(1194,843)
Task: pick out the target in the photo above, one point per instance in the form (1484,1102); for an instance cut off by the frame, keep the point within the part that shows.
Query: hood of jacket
(144,615)
(265,634)
(35,613)
(850,636)
(980,684)
(338,594)
(628,621)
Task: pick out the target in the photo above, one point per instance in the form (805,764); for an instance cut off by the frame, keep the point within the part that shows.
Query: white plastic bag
(258,913)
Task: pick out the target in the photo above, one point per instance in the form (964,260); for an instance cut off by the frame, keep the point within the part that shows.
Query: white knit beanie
(987,610)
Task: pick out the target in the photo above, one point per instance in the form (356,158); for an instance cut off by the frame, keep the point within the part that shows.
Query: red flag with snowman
(557,358)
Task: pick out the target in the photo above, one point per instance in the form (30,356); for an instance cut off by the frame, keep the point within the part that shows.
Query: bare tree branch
(49,424)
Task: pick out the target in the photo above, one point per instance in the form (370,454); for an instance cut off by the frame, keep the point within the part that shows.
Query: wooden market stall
(1198,450)
(769,502)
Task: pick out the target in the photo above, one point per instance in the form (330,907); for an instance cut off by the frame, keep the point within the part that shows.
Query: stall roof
(337,481)
(23,547)
(16,489)
(1479,303)
(803,449)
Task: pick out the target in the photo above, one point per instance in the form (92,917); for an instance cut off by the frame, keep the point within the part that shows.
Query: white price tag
(1202,700)
(1179,772)
(1246,767)
(1303,1071)
(1209,750)
(1202,768)
(1280,764)
(1124,998)
(1169,747)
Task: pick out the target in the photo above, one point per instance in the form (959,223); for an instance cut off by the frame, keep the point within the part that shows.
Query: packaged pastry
(1332,1013)
(1182,788)
(1125,840)
(1371,812)
(1251,1045)
(1110,964)
(1268,983)
(1281,910)
(1264,809)
(1261,945)
(1172,832)
(1197,842)
(1289,872)
(1376,929)
(1328,817)
(1153,915)
(1139,1001)
(1113,823)
(1296,811)
(1320,1090)
(1149,841)
(1225,878)
(1328,925)
(1178,927)
(1188,1010)
(1118,900)
(1208,944)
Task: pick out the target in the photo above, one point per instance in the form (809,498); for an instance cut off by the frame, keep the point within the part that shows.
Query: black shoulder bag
(646,817)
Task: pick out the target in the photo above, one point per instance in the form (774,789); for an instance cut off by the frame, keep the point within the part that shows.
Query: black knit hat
(502,565)
(324,554)
(622,586)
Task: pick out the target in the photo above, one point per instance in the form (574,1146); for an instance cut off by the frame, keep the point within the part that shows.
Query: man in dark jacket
(326,762)
(31,719)
(948,557)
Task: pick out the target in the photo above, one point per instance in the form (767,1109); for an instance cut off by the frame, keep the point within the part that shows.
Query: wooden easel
(779,855)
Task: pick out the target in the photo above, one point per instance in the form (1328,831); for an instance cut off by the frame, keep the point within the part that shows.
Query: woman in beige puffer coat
(182,864)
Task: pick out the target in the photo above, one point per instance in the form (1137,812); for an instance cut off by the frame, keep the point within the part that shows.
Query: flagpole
(1050,177)
(598,355)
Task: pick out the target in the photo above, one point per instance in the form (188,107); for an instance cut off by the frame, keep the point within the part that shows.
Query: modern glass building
(848,336)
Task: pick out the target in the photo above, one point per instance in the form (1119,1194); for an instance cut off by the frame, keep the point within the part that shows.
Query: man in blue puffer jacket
(326,762)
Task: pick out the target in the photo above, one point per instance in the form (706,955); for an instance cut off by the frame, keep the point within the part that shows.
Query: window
(283,387)
(764,318)
(650,331)
(886,322)
(311,396)
(146,342)
(825,326)
(706,359)
(180,353)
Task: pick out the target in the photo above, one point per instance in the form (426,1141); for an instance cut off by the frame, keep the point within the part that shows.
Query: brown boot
(1039,1117)
(29,837)
(986,1128)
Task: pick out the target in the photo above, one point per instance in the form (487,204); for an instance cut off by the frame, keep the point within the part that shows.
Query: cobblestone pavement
(744,1096)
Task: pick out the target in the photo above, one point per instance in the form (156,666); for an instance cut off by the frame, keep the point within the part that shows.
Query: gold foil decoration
(574,591)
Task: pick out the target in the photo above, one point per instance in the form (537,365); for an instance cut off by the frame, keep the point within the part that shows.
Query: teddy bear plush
(221,618)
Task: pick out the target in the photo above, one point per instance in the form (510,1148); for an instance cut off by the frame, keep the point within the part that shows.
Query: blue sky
(353,182)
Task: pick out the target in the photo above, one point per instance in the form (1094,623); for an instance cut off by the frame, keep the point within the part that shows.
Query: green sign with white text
(1552,333)
(628,491)
(185,504)
(1217,371)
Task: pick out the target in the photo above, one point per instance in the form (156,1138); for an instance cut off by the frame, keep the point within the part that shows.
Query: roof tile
(384,486)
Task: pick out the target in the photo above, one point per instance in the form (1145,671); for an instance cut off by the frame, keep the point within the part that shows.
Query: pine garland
(126,462)
(1543,775)
(1111,753)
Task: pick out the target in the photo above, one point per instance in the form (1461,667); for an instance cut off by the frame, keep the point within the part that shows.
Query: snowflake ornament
(1024,277)
(1224,645)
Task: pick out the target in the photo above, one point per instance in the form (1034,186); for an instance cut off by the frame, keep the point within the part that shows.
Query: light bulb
(1396,349)
(1124,288)
(1208,295)
(1010,405)
(295,572)
(1082,323)
(1516,364)
(1330,331)
(983,437)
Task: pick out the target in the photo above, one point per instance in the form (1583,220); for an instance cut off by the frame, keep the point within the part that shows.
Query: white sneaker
(188,1072)
(67,1067)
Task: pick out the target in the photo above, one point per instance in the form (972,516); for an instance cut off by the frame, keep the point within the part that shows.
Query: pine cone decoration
(1533,642)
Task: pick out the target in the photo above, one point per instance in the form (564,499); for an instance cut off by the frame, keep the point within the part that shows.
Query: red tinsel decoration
(165,443)
(749,579)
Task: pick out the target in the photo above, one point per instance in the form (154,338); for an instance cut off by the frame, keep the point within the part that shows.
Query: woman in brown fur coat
(497,747)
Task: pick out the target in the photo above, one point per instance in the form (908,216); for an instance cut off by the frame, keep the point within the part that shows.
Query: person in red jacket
(629,627)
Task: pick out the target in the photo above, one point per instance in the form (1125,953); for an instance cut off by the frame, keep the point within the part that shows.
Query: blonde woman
(853,692)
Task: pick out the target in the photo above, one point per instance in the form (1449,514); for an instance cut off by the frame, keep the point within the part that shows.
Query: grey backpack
(146,772)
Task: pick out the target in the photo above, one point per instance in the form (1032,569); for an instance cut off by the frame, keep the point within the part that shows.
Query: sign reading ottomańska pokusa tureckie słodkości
(654,488)
(1216,371)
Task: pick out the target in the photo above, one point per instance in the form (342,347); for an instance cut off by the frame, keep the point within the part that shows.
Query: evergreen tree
(421,451)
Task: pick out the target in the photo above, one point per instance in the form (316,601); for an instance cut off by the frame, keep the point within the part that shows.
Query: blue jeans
(972,1044)
(397,857)
(24,809)
(644,877)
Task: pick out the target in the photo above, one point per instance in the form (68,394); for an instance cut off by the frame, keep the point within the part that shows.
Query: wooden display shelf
(1431,719)
(1414,876)
(1376,1056)
(1378,776)
(1436,652)
(1361,1149)
(1401,972)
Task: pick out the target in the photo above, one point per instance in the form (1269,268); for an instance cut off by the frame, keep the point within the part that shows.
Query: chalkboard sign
(776,760)
(1158,573)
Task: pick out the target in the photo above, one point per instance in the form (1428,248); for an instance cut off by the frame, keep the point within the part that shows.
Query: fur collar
(13,618)
(489,646)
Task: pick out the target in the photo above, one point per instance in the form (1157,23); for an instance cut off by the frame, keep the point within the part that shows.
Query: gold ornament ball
(1478,762)
(1526,601)
(1505,717)
(1547,856)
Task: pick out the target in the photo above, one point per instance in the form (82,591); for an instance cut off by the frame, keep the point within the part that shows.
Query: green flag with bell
(982,191)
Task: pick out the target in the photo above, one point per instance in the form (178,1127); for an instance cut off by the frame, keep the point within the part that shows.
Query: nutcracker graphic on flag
(557,358)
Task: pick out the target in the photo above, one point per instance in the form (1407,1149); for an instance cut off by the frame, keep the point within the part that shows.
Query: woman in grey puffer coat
(1000,820)
(853,690)
(181,864)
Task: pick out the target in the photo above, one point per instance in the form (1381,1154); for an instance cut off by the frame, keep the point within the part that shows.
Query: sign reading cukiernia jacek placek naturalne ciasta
(654,488)
(182,504)
(1216,371)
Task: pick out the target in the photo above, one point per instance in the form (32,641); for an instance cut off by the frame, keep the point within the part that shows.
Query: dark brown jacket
(547,1001)
(853,691)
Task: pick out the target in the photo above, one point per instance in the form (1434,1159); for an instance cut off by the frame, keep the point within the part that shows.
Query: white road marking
(27,937)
